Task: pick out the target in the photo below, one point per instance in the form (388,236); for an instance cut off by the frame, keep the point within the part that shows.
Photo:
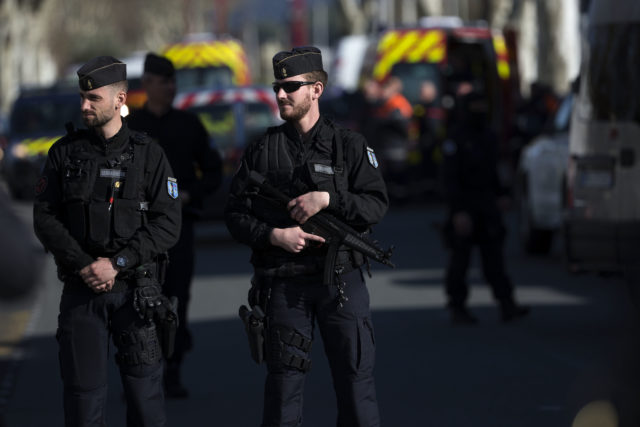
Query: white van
(603,179)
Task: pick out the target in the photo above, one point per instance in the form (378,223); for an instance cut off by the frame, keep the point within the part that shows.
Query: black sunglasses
(289,86)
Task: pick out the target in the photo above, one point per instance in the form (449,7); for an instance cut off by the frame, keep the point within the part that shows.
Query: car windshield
(413,75)
(210,77)
(43,115)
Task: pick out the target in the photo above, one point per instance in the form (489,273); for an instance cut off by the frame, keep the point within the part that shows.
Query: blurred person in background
(198,169)
(476,199)
(320,166)
(107,209)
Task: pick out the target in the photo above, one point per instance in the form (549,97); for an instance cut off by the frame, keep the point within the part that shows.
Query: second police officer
(199,172)
(320,166)
(106,208)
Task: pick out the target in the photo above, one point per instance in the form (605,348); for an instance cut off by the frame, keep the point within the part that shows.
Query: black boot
(173,388)
(512,311)
(460,315)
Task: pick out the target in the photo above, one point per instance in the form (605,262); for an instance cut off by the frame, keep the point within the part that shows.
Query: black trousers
(488,235)
(85,323)
(348,338)
(178,283)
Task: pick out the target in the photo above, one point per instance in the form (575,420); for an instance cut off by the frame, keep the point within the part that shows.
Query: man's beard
(297,112)
(96,120)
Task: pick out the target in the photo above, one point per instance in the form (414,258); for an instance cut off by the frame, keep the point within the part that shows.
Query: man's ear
(121,98)
(318,88)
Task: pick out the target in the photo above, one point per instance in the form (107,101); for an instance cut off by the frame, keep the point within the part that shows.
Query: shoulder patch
(373,161)
(41,185)
(172,187)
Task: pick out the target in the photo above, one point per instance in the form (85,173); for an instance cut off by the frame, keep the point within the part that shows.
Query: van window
(612,84)
(210,77)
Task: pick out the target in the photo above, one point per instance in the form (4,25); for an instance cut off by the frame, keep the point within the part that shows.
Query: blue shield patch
(372,157)
(172,187)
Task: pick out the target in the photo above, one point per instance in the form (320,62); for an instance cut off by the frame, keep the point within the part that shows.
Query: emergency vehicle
(202,61)
(233,117)
(447,52)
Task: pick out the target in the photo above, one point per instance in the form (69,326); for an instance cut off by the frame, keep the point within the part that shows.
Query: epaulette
(73,133)
(139,137)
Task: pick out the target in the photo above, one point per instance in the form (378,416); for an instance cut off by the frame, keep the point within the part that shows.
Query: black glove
(151,304)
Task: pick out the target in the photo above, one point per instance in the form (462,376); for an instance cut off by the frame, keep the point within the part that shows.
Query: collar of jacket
(321,134)
(114,144)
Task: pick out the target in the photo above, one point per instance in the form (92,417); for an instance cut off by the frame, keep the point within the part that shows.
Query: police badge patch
(372,157)
(172,187)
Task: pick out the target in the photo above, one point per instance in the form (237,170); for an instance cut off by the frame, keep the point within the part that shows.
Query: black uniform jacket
(88,200)
(185,141)
(471,179)
(297,166)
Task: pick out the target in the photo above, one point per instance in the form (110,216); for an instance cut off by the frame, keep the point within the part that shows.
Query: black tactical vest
(296,176)
(103,194)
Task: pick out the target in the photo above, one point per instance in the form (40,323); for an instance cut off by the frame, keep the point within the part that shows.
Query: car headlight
(19,151)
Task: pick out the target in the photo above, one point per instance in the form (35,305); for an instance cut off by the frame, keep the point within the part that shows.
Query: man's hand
(462,224)
(307,205)
(99,275)
(104,287)
(292,239)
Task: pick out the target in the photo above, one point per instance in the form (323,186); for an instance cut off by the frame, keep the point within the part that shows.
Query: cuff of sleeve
(82,262)
(264,240)
(126,259)
(333,201)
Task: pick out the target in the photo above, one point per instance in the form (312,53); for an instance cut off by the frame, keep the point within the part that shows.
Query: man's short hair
(317,76)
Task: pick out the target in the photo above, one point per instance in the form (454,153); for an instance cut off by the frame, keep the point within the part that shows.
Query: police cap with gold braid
(299,60)
(101,71)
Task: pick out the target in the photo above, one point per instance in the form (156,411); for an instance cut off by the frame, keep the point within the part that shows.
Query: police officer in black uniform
(106,208)
(321,167)
(199,171)
(475,199)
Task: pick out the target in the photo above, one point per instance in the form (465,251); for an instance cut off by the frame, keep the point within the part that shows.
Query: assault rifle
(334,231)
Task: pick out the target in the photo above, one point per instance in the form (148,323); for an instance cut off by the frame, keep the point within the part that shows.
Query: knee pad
(138,345)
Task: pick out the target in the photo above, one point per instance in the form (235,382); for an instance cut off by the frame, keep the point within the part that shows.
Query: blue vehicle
(36,121)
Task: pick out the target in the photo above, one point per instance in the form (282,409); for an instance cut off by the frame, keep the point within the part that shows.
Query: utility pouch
(167,328)
(162,263)
(254,325)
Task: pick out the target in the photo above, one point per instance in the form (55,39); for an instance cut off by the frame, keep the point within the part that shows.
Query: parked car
(233,117)
(36,121)
(540,182)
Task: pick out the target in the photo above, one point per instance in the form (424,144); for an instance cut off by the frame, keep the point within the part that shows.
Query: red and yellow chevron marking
(36,146)
(502,56)
(409,46)
(217,53)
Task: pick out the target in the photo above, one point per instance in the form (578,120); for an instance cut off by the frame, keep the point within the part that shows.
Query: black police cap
(299,60)
(101,71)
(158,65)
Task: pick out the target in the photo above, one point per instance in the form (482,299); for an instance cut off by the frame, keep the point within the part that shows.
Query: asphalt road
(573,362)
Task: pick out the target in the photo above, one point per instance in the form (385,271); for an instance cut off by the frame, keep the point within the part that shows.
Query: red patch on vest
(41,185)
